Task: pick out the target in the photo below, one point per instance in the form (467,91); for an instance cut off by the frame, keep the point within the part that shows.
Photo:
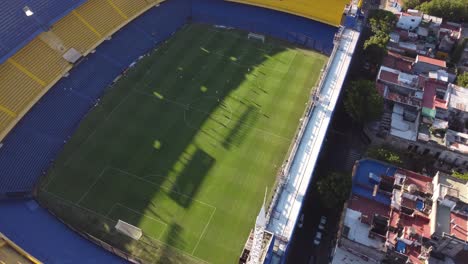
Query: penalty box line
(198,201)
(213,208)
(107,218)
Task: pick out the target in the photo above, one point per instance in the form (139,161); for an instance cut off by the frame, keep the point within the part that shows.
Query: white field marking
(144,215)
(159,185)
(204,230)
(77,205)
(97,128)
(184,107)
(92,185)
(103,216)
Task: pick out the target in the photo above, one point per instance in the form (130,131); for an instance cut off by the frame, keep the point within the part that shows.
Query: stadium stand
(325,11)
(29,66)
(39,136)
(100,16)
(17,29)
(48,239)
(299,30)
(42,61)
(74,34)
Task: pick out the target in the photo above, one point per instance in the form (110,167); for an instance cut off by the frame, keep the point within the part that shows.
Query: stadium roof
(286,211)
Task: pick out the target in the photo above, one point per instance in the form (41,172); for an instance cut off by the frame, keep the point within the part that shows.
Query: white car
(318,238)
(323,222)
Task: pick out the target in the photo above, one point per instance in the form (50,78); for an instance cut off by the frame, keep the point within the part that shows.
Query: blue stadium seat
(37,139)
(35,142)
(46,238)
(299,30)
(17,29)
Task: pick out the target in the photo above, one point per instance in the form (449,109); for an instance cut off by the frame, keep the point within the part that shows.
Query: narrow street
(344,144)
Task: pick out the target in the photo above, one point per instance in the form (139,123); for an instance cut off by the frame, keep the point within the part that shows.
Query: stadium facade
(50,52)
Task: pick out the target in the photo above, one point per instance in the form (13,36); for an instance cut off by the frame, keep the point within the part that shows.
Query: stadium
(147,131)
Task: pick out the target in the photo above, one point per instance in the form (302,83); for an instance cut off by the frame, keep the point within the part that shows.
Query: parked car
(318,238)
(323,222)
(300,223)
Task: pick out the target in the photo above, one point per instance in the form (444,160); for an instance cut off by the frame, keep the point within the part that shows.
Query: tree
(334,189)
(380,40)
(462,80)
(381,21)
(384,154)
(459,175)
(363,103)
(411,4)
(450,10)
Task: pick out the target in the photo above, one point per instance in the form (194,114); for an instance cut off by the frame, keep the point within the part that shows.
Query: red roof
(420,225)
(432,61)
(368,207)
(459,226)
(388,76)
(397,61)
(429,98)
(424,183)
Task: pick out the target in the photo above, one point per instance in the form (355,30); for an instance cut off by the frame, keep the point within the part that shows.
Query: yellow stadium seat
(5,120)
(41,61)
(75,34)
(130,8)
(17,89)
(100,16)
(325,11)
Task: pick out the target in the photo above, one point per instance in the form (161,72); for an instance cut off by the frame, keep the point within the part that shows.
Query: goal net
(129,230)
(256,36)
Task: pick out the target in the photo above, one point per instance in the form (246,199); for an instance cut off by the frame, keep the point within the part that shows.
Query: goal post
(256,37)
(129,230)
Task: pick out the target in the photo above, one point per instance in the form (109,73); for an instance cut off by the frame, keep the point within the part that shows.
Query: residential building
(410,19)
(398,216)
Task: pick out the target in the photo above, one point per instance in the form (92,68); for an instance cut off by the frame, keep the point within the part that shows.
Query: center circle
(208,108)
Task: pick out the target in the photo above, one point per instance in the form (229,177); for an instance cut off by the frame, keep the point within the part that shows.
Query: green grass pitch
(185,144)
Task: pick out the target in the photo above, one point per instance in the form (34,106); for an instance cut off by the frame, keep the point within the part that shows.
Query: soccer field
(185,144)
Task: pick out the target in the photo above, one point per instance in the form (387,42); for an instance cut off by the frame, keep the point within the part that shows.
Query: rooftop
(458,98)
(397,61)
(457,141)
(431,61)
(400,127)
(367,207)
(459,226)
(359,231)
(460,186)
(422,183)
(411,225)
